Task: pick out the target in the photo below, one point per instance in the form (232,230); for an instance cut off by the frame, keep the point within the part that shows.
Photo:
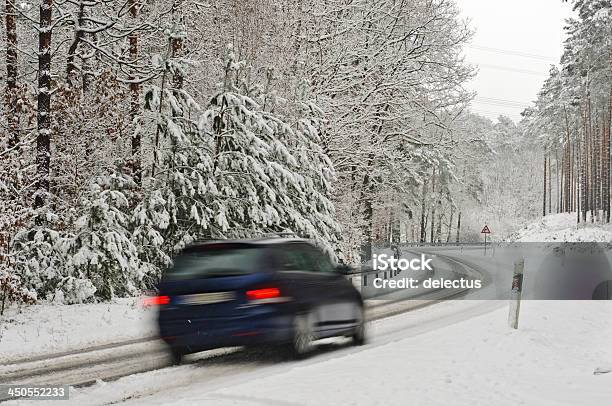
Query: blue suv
(273,291)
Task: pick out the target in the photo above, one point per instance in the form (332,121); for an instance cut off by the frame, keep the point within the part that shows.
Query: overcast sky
(515,43)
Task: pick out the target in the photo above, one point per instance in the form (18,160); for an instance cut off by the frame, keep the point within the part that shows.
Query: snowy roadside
(50,328)
(562,228)
(555,358)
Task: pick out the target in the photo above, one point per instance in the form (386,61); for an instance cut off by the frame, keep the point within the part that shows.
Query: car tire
(176,356)
(301,345)
(359,334)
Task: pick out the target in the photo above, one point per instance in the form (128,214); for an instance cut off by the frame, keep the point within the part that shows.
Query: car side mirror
(344,269)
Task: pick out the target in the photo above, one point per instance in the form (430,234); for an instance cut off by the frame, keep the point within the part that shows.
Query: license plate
(206,298)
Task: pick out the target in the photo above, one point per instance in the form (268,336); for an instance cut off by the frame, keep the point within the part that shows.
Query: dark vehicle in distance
(272,291)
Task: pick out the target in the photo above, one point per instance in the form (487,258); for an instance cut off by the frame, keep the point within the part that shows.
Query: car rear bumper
(204,334)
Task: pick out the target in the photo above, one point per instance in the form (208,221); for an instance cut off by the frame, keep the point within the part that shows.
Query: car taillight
(156,300)
(262,294)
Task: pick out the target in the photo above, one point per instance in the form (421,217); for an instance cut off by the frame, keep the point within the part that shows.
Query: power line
(525,71)
(489,112)
(486,111)
(506,107)
(515,53)
(501,103)
(501,100)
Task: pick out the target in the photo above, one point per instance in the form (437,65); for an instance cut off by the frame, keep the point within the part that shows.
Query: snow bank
(48,328)
(562,228)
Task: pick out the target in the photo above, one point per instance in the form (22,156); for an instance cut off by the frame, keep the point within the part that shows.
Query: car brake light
(156,300)
(262,294)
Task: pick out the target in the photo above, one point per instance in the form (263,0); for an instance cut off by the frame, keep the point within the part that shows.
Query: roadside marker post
(516,293)
(486,231)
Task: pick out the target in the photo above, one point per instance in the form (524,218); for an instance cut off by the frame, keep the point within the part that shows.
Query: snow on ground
(550,360)
(559,356)
(49,328)
(562,227)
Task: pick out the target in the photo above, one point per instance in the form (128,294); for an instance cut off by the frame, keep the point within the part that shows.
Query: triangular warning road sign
(485,230)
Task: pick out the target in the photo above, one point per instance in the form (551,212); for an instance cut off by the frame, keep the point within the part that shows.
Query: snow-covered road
(453,353)
(109,362)
(134,358)
(213,370)
(104,361)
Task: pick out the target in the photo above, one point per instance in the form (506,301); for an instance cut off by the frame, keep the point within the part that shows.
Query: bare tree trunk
(567,168)
(570,175)
(136,162)
(591,161)
(439,230)
(578,176)
(177,41)
(570,180)
(43,139)
(574,177)
(423,208)
(584,169)
(597,167)
(562,183)
(549,186)
(545,183)
(433,205)
(389,226)
(557,184)
(608,123)
(450,224)
(458,227)
(79,34)
(11,73)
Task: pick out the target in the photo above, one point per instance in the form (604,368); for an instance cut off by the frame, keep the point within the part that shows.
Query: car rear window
(214,262)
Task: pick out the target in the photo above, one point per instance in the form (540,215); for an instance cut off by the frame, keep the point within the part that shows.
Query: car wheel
(303,336)
(359,334)
(176,355)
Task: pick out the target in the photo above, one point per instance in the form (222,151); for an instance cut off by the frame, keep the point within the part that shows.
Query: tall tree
(136,139)
(43,138)
(11,73)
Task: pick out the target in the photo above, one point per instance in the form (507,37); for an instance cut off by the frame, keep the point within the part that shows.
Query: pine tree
(11,73)
(39,255)
(271,175)
(179,189)
(102,250)
(43,139)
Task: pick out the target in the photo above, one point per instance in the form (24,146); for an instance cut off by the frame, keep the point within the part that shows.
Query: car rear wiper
(224,272)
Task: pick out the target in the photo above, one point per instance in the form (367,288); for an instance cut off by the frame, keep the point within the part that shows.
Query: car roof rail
(204,240)
(286,234)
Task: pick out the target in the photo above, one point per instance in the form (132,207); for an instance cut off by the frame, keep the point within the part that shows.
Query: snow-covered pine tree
(102,256)
(175,209)
(317,170)
(39,253)
(15,211)
(270,176)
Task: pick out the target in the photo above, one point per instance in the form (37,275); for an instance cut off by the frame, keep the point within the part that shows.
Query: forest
(132,128)
(572,118)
